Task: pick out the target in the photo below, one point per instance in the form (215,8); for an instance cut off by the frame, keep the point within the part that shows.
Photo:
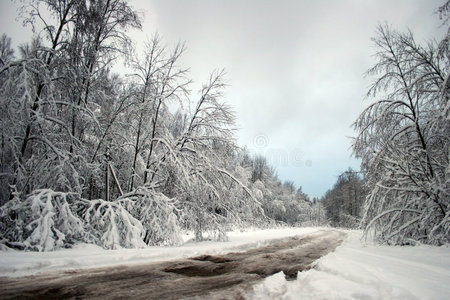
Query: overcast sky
(295,69)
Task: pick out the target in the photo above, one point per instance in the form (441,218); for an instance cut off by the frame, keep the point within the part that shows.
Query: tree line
(120,160)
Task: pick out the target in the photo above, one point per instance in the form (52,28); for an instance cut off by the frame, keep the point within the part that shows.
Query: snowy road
(208,276)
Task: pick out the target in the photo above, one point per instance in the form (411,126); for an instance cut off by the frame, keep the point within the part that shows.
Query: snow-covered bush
(203,212)
(156,212)
(43,221)
(349,221)
(112,225)
(47,220)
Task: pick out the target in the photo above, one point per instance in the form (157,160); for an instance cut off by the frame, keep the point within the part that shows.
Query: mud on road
(226,276)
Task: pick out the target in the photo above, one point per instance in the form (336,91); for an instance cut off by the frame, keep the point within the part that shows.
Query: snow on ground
(359,271)
(354,271)
(19,263)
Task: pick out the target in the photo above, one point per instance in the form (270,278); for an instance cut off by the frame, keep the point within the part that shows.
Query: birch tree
(96,157)
(403,141)
(160,81)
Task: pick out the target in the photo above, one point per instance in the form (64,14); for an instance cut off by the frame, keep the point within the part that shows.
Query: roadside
(366,271)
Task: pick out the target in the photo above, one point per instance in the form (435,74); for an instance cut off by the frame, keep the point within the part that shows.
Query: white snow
(19,263)
(361,271)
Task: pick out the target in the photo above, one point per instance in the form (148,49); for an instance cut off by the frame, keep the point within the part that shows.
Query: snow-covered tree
(6,51)
(344,201)
(403,141)
(96,157)
(160,81)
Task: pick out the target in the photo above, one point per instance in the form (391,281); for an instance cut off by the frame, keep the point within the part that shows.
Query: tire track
(225,276)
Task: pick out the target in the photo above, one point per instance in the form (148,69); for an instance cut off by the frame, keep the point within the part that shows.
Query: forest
(134,158)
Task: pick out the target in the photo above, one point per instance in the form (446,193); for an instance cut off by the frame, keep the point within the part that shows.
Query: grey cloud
(295,68)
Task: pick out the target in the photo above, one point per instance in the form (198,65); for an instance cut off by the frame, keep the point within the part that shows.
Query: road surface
(227,276)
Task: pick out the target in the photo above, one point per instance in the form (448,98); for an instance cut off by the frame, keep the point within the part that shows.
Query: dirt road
(225,276)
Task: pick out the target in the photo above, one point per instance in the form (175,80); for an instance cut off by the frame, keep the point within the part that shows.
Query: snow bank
(357,271)
(19,263)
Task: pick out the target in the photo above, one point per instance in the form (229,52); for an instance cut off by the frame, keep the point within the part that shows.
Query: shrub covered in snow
(112,225)
(157,214)
(45,220)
